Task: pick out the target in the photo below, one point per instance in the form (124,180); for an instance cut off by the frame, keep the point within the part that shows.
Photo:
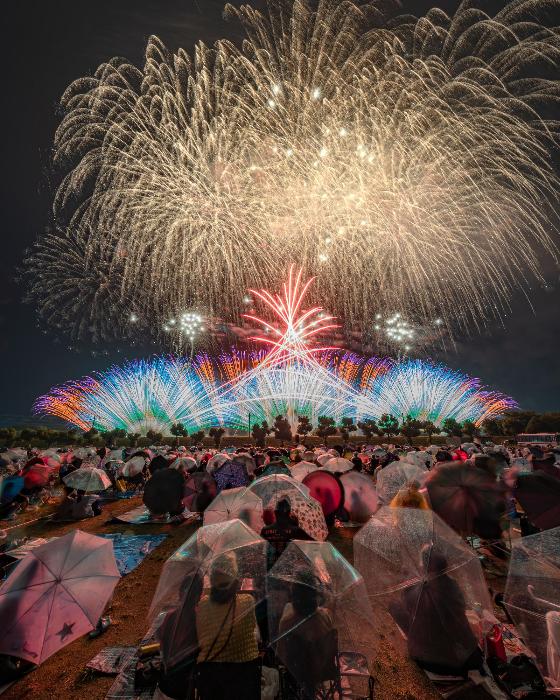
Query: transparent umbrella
(532,599)
(228,551)
(269,488)
(430,581)
(392,478)
(236,503)
(320,621)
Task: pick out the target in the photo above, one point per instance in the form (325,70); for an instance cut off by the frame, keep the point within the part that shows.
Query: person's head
(409,497)
(224,579)
(283,509)
(306,595)
(443,456)
(433,563)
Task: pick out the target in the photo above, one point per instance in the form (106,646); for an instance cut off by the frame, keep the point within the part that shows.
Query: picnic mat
(131,550)
(142,516)
(112,660)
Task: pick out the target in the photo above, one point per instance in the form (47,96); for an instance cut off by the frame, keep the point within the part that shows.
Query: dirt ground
(64,675)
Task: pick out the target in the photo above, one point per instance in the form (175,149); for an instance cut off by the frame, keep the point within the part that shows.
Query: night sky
(49,44)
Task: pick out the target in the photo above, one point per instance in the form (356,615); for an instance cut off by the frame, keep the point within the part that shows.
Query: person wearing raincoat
(409,497)
(228,662)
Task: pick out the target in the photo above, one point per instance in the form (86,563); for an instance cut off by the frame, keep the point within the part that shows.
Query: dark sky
(49,44)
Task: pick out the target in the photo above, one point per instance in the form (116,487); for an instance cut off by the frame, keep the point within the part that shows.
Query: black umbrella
(164,492)
(538,494)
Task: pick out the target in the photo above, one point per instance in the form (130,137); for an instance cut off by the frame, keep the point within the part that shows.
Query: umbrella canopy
(164,492)
(56,594)
(37,476)
(10,487)
(227,549)
(216,461)
(423,460)
(270,488)
(184,464)
(397,475)
(236,503)
(231,474)
(302,469)
(132,467)
(428,579)
(338,464)
(327,489)
(84,452)
(539,496)
(317,607)
(468,498)
(247,460)
(310,516)
(88,479)
(532,599)
(360,496)
(323,458)
(277,467)
(200,490)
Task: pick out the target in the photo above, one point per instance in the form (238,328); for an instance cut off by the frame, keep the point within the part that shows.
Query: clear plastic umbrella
(88,479)
(236,503)
(302,469)
(56,594)
(430,581)
(392,478)
(230,551)
(319,617)
(216,461)
(420,459)
(132,467)
(184,464)
(338,464)
(270,488)
(532,599)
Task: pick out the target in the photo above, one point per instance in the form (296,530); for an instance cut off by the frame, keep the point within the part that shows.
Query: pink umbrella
(55,595)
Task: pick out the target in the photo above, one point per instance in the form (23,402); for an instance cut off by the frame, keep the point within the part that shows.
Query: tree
(154,437)
(178,430)
(259,433)
(304,426)
(369,428)
(491,426)
(90,435)
(28,434)
(325,427)
(217,434)
(515,422)
(452,427)
(469,429)
(430,429)
(8,436)
(346,427)
(133,439)
(282,429)
(544,423)
(410,428)
(388,424)
(197,438)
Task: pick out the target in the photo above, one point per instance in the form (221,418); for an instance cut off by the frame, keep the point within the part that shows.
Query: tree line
(511,424)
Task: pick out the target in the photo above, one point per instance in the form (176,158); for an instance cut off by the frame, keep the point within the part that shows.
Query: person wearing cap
(228,661)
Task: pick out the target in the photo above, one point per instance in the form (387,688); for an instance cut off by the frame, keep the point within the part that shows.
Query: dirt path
(63,675)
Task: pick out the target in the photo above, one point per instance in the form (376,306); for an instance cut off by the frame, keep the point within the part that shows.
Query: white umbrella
(302,469)
(236,503)
(88,479)
(338,464)
(420,459)
(216,461)
(184,464)
(323,458)
(133,467)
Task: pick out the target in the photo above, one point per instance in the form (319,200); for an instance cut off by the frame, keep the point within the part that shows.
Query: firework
(405,162)
(206,392)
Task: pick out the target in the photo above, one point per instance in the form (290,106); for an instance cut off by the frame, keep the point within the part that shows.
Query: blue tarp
(131,550)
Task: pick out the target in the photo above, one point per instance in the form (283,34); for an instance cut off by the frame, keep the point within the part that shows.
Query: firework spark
(405,162)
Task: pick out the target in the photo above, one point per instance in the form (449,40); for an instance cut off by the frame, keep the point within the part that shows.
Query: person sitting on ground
(283,530)
(179,642)
(307,637)
(410,497)
(357,462)
(228,662)
(433,616)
